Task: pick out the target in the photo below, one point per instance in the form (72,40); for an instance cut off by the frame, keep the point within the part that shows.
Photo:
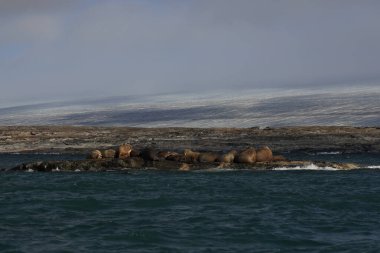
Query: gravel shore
(71,139)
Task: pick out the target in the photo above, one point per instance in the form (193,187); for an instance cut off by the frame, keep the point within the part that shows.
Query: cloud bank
(63,49)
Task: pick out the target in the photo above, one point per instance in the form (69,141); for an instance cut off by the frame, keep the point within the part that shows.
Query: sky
(63,49)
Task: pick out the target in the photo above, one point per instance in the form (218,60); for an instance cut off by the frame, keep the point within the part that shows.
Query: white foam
(306,167)
(373,167)
(218,169)
(215,169)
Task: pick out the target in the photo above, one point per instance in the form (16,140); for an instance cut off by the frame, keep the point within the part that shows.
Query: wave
(215,170)
(306,167)
(373,167)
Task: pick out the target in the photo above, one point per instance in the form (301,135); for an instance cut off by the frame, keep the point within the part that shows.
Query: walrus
(96,154)
(247,156)
(264,154)
(190,155)
(134,162)
(184,167)
(109,153)
(222,165)
(207,157)
(279,158)
(176,157)
(165,154)
(124,151)
(228,158)
(149,154)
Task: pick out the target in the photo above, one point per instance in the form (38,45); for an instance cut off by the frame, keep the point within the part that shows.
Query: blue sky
(57,50)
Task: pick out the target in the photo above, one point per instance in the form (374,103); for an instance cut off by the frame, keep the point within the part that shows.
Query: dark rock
(135,153)
(139,163)
(149,154)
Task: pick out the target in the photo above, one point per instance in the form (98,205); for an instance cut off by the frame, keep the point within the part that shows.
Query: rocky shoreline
(138,163)
(210,144)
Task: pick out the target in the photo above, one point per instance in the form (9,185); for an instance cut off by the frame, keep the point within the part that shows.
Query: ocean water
(226,211)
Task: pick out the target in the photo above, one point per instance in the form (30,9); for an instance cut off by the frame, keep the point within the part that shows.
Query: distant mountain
(360,107)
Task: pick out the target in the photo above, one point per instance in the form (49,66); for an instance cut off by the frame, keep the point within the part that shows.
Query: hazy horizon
(53,50)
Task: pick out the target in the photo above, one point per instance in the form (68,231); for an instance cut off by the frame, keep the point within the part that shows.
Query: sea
(307,209)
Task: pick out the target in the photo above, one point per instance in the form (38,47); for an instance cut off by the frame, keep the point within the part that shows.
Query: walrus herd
(248,156)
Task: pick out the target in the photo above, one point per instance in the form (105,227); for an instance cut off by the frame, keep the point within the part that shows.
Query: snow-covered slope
(356,107)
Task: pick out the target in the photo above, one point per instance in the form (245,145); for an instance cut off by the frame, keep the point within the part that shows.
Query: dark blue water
(152,211)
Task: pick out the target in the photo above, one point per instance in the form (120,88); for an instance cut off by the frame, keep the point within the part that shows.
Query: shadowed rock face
(83,139)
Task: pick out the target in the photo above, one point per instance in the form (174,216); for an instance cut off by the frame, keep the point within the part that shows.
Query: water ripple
(190,212)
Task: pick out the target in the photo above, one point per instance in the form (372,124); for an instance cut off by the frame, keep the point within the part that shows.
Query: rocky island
(184,148)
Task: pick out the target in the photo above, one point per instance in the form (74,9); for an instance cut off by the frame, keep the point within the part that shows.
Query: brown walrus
(190,155)
(134,162)
(247,156)
(165,154)
(176,157)
(109,153)
(228,158)
(124,151)
(96,154)
(207,157)
(279,158)
(264,154)
(184,167)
